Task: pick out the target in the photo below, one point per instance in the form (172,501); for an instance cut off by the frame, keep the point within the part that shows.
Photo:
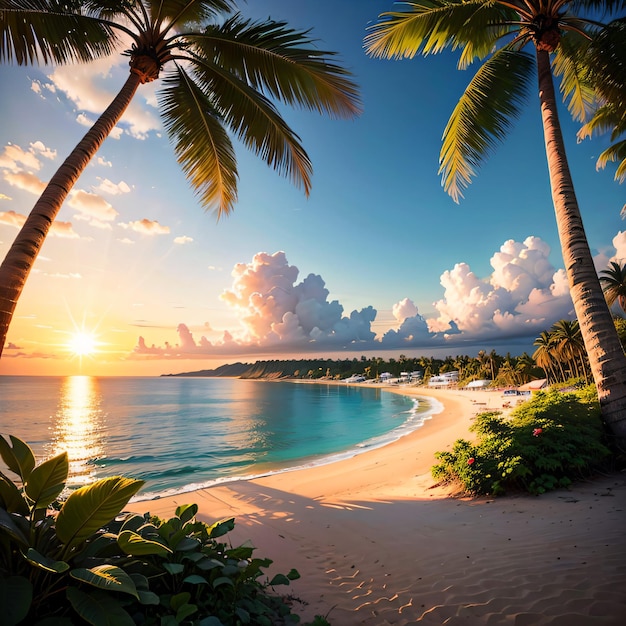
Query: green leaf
(210,621)
(186,544)
(11,497)
(186,512)
(8,525)
(133,543)
(221,528)
(107,577)
(185,611)
(45,563)
(148,597)
(293,574)
(222,580)
(47,481)
(18,456)
(174,568)
(98,608)
(179,600)
(89,508)
(16,594)
(279,579)
(195,579)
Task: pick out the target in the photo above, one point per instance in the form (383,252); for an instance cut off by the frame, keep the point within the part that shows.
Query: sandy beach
(377,542)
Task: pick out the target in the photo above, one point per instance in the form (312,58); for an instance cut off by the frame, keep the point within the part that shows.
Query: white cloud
(183,239)
(146,227)
(93,86)
(92,207)
(523,296)
(102,161)
(58,229)
(25,181)
(14,158)
(114,189)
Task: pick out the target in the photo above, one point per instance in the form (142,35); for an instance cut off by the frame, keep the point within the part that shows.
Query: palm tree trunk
(21,256)
(606,357)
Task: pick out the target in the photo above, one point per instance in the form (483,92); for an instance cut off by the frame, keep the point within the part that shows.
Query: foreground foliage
(546,443)
(83,561)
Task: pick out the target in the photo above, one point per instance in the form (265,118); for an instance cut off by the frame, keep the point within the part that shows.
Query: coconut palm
(613,283)
(606,64)
(513,39)
(219,73)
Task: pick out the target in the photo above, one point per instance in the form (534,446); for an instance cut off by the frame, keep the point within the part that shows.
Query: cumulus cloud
(523,295)
(92,208)
(14,159)
(25,181)
(146,227)
(84,86)
(114,189)
(183,239)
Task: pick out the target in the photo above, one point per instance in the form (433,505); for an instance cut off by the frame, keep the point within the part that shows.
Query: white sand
(377,543)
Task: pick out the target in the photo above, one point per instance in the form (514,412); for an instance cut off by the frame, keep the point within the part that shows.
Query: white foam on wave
(416,417)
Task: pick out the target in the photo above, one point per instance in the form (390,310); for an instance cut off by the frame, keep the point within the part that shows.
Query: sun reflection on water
(79,427)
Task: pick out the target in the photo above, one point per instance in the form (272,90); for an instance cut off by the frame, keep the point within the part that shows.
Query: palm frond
(282,63)
(576,86)
(604,120)
(614,153)
(183,13)
(44,31)
(428,26)
(201,143)
(256,122)
(482,116)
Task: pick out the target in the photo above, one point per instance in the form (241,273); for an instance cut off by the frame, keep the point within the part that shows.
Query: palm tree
(613,283)
(606,63)
(220,73)
(514,38)
(570,347)
(545,356)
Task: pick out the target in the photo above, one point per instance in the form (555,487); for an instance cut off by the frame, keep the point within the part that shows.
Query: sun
(82,343)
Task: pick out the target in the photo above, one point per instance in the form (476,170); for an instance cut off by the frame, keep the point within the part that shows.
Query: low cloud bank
(523,295)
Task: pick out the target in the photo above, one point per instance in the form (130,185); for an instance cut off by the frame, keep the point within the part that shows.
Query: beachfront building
(447,379)
(474,385)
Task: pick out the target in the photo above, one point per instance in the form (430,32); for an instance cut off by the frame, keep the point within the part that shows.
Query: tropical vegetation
(219,74)
(78,558)
(515,40)
(552,440)
(613,281)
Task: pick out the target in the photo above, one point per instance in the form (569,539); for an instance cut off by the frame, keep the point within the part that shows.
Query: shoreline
(377,542)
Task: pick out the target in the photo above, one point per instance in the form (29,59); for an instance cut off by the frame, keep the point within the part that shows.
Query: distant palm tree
(222,71)
(545,355)
(570,347)
(613,283)
(499,33)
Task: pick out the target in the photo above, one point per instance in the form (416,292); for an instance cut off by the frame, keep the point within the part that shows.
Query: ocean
(180,434)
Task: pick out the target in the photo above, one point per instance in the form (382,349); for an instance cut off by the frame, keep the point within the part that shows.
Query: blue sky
(161,286)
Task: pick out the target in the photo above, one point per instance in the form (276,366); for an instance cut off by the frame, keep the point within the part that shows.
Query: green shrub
(82,560)
(545,444)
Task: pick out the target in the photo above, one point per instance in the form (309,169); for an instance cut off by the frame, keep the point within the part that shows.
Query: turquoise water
(180,434)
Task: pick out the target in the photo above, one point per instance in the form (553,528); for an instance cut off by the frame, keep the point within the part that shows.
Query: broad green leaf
(18,456)
(174,568)
(133,522)
(279,579)
(47,481)
(89,508)
(11,497)
(195,579)
(186,544)
(8,526)
(133,543)
(210,621)
(208,564)
(16,594)
(148,597)
(187,512)
(98,608)
(293,574)
(179,600)
(107,577)
(221,528)
(45,563)
(222,580)
(185,611)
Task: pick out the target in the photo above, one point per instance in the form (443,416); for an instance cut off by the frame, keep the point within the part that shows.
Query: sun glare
(82,344)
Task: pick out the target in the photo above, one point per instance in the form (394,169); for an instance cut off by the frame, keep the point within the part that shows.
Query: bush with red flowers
(546,443)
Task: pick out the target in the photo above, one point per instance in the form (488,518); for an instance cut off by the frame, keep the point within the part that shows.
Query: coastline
(377,542)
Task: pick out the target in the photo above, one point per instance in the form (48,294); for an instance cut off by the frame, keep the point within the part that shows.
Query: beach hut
(478,384)
(534,385)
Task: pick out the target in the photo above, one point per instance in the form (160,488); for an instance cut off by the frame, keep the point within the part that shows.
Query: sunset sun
(82,344)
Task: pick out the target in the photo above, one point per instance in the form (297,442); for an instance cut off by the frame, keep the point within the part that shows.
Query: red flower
(471,460)
(537,432)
